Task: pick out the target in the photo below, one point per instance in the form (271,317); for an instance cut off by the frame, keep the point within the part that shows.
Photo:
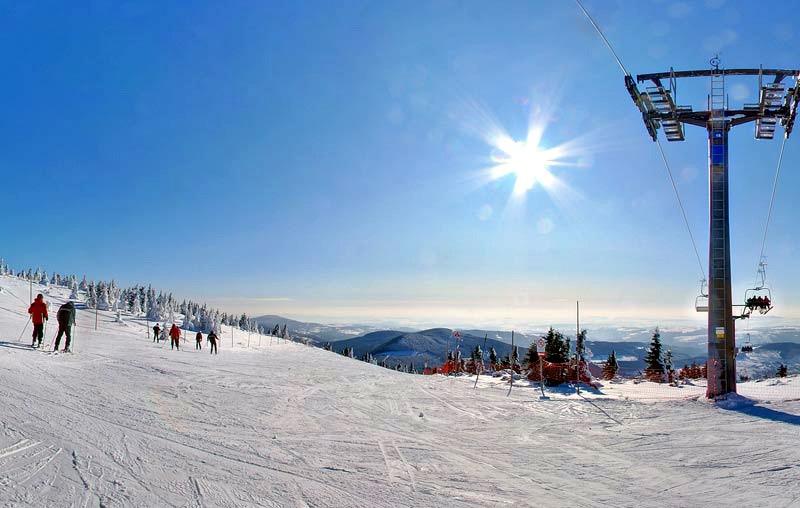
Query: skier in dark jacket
(212,339)
(199,339)
(156,331)
(175,335)
(65,318)
(38,312)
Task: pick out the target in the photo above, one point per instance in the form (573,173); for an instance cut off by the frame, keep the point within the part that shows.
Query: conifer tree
(580,344)
(555,349)
(91,296)
(783,371)
(655,369)
(74,294)
(611,366)
(668,365)
(532,356)
(478,360)
(492,356)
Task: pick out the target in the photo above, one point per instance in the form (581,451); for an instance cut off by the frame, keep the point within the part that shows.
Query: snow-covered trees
(188,320)
(84,286)
(103,300)
(74,294)
(91,296)
(154,311)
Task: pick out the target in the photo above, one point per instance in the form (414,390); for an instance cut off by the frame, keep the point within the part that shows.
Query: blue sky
(322,160)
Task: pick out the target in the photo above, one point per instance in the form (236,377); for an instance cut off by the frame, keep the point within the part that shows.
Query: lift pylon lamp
(777,103)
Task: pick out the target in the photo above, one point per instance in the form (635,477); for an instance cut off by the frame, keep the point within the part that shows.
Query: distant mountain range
(426,346)
(317,333)
(772,346)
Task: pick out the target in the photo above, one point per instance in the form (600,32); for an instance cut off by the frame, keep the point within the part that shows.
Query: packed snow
(124,421)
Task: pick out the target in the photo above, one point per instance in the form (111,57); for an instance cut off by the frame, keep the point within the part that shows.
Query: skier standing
(156,331)
(38,312)
(65,318)
(175,335)
(199,339)
(212,339)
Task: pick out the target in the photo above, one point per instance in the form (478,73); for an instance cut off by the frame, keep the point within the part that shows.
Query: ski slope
(126,422)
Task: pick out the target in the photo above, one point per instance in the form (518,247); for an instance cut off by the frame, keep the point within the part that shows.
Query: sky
(332,161)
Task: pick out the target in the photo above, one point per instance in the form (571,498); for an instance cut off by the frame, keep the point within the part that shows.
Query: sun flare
(524,161)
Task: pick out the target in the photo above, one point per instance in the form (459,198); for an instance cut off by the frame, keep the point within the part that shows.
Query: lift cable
(660,149)
(683,211)
(600,32)
(771,201)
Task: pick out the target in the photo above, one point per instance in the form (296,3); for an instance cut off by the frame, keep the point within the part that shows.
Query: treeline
(140,300)
(368,358)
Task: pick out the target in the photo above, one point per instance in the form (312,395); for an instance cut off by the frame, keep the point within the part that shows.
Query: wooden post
(95,316)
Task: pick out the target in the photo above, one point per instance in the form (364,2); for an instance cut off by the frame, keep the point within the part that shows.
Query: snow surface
(125,422)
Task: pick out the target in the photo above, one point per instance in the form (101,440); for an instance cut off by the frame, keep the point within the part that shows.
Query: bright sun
(525,161)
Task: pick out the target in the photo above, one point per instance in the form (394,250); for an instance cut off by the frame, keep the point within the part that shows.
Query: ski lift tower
(776,103)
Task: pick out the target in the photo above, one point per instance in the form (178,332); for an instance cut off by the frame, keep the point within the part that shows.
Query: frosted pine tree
(84,286)
(103,302)
(91,296)
(74,294)
(188,318)
(133,302)
(154,311)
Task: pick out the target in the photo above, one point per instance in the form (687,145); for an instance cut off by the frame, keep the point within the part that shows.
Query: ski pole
(23,330)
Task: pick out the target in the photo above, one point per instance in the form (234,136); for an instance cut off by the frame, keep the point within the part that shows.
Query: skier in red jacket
(38,312)
(175,335)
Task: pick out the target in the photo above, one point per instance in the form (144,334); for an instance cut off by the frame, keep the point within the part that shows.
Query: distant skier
(199,339)
(212,339)
(65,318)
(38,312)
(156,331)
(175,335)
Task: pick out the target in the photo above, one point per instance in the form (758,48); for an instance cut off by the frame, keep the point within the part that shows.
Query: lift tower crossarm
(778,73)
(659,110)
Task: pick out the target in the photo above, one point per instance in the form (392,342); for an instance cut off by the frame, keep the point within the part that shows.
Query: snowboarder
(65,318)
(156,331)
(199,339)
(175,335)
(38,312)
(212,339)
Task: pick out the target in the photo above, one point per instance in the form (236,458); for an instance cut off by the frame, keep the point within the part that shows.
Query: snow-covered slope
(126,422)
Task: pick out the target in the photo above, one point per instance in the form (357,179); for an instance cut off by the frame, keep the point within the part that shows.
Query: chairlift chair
(747,347)
(760,291)
(751,296)
(701,302)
